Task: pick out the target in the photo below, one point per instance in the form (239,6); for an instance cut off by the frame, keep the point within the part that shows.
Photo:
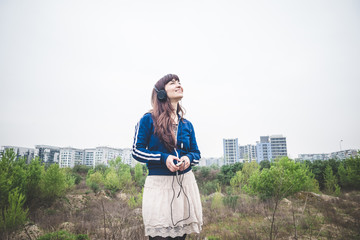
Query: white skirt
(166,213)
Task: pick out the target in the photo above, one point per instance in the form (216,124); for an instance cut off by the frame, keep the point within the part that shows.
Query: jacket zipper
(177,132)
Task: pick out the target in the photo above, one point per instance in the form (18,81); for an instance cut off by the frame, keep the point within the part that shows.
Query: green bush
(242,177)
(209,187)
(231,201)
(63,235)
(54,182)
(112,181)
(349,173)
(139,175)
(95,177)
(284,178)
(227,172)
(217,201)
(33,178)
(95,187)
(13,216)
(12,175)
(81,169)
(136,201)
(331,182)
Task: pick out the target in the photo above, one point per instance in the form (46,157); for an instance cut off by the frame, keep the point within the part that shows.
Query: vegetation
(279,199)
(63,235)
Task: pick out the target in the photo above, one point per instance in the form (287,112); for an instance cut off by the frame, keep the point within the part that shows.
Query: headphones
(161,95)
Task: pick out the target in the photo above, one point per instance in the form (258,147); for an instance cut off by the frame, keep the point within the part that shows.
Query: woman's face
(174,90)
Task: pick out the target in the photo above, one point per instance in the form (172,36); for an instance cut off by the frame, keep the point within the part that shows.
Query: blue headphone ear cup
(161,95)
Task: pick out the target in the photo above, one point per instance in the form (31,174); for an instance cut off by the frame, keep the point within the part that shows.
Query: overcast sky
(80,73)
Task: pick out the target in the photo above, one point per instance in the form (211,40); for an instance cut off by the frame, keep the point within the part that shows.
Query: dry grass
(302,216)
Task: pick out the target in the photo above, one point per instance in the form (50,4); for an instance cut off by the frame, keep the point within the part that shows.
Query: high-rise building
(47,154)
(69,157)
(271,147)
(278,146)
(104,154)
(263,149)
(27,153)
(247,153)
(89,155)
(231,151)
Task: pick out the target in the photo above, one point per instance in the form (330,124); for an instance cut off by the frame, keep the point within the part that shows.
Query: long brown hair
(161,114)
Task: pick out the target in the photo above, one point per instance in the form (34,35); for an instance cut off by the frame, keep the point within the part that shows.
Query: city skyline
(81,74)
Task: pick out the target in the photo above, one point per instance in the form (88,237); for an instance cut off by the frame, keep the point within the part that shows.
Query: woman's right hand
(170,163)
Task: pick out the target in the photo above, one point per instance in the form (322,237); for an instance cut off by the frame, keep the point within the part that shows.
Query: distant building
(231,151)
(278,146)
(211,161)
(127,158)
(247,153)
(263,149)
(104,154)
(27,153)
(89,156)
(47,154)
(313,157)
(69,157)
(341,155)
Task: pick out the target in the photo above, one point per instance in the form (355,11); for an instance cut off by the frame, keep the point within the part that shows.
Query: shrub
(63,235)
(209,187)
(139,175)
(349,173)
(217,201)
(241,177)
(53,182)
(95,187)
(33,178)
(95,177)
(136,201)
(13,216)
(284,178)
(231,201)
(112,181)
(12,175)
(331,186)
(81,169)
(227,172)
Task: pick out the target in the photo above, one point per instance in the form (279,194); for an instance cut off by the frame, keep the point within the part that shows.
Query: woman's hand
(183,166)
(170,163)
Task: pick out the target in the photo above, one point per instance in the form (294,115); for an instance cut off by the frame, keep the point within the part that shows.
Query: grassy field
(304,215)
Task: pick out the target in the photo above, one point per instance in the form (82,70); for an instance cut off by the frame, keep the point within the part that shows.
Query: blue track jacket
(147,147)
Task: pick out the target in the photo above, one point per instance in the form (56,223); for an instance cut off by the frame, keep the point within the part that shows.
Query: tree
(112,180)
(227,172)
(33,178)
(349,173)
(242,177)
(283,178)
(53,182)
(139,175)
(331,185)
(13,216)
(264,164)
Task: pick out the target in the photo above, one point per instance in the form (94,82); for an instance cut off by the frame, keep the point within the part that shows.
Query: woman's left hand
(183,166)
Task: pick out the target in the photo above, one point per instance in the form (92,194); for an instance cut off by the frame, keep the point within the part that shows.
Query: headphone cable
(180,182)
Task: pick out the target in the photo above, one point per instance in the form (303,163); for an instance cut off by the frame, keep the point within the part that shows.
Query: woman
(166,142)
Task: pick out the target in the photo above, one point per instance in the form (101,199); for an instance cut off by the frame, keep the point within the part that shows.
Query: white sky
(80,73)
